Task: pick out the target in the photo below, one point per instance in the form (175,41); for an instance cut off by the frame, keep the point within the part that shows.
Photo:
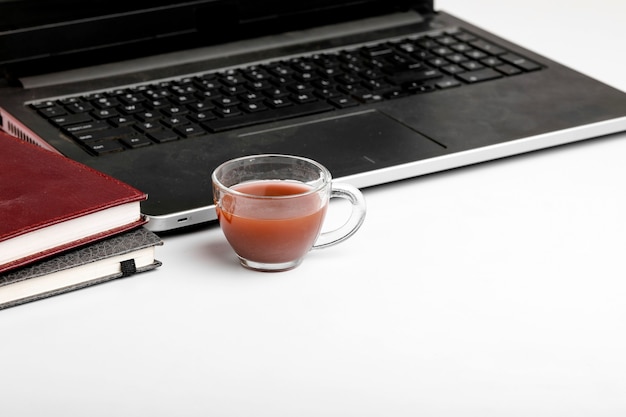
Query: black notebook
(158,93)
(120,256)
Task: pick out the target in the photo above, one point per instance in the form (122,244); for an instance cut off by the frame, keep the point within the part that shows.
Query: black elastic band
(128,267)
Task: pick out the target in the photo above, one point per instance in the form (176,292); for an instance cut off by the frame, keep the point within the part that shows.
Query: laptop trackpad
(347,144)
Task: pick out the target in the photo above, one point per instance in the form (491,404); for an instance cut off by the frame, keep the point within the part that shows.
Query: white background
(494,290)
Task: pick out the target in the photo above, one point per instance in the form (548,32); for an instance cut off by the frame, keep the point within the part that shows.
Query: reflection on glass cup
(271,209)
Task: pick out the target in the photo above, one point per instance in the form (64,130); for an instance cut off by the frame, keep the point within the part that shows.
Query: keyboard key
(491,61)
(487,47)
(343,102)
(226,101)
(456,58)
(105,113)
(135,142)
(441,50)
(279,103)
(130,98)
(183,99)
(148,116)
(446,40)
(252,97)
(521,62)
(43,104)
(190,130)
(227,112)
(368,97)
(201,117)
(396,94)
(303,98)
(176,121)
(233,90)
(233,78)
(414,76)
(271,115)
(419,87)
(507,69)
(438,62)
(453,69)
(471,65)
(52,111)
(377,50)
(162,136)
(79,107)
(448,83)
(175,111)
(158,103)
(106,134)
(122,121)
(256,74)
(149,126)
(277,93)
(479,75)
(106,147)
(129,109)
(86,127)
(253,107)
(464,36)
(201,106)
(300,88)
(461,47)
(102,102)
(476,54)
(71,119)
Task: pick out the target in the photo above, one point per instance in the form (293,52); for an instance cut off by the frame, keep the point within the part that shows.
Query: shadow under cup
(271,209)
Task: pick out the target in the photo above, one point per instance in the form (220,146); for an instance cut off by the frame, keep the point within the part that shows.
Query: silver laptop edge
(427,166)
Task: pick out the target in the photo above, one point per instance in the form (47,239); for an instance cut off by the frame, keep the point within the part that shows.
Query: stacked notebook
(65,226)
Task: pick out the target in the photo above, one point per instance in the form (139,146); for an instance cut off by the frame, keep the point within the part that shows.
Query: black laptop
(158,93)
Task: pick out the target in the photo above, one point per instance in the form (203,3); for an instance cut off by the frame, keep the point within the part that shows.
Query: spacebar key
(270,115)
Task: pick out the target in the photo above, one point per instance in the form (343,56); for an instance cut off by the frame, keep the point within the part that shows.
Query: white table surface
(494,290)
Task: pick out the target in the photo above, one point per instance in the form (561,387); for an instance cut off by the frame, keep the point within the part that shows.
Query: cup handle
(354,196)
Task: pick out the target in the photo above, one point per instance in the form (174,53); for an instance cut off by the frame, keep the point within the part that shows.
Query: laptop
(158,93)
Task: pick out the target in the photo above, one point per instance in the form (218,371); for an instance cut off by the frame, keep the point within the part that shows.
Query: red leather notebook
(50,203)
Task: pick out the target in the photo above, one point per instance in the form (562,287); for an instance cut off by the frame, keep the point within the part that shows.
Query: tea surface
(272,230)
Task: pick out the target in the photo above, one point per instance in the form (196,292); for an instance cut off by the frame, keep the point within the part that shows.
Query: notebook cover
(121,244)
(39,188)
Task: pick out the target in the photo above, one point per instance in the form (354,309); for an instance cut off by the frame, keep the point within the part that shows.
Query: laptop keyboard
(146,115)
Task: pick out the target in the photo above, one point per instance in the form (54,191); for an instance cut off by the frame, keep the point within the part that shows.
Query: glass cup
(271,209)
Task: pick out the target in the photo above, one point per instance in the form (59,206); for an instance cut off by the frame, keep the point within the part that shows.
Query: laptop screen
(62,34)
(21,14)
